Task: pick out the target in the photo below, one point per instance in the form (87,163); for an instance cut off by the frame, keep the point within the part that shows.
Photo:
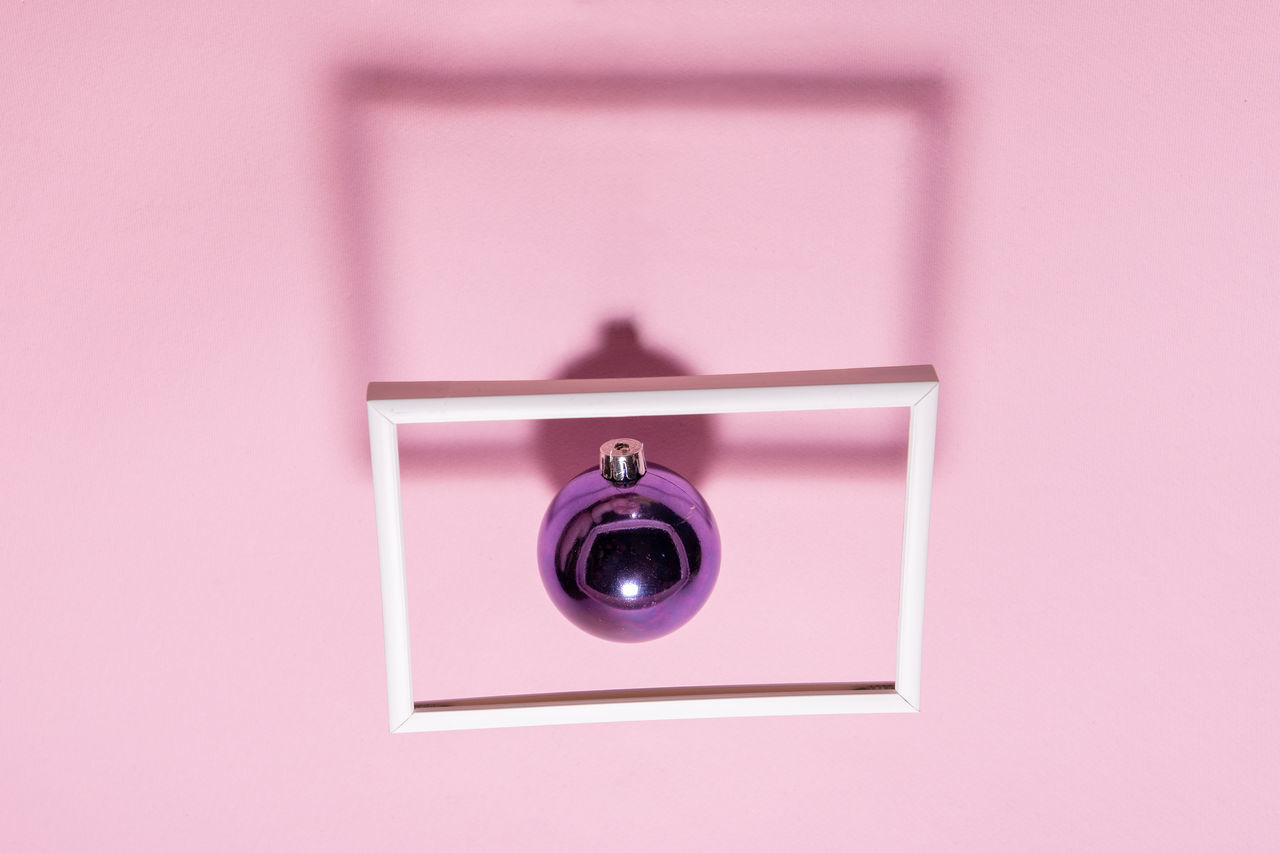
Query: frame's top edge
(531,387)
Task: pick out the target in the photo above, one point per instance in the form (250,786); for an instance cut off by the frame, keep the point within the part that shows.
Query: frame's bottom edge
(644,705)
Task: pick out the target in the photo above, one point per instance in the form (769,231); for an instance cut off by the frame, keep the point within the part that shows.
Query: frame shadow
(927,98)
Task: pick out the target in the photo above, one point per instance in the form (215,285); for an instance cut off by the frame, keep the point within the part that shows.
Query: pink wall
(217,223)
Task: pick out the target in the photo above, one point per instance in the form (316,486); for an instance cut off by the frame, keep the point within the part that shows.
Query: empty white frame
(394,403)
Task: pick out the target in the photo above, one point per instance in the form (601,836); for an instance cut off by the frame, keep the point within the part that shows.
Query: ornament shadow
(565,448)
(689,444)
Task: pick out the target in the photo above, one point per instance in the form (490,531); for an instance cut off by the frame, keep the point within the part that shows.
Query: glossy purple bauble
(629,561)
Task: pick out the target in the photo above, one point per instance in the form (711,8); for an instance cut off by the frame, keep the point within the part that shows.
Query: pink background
(218,222)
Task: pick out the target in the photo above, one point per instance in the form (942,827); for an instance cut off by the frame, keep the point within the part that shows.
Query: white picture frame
(393,403)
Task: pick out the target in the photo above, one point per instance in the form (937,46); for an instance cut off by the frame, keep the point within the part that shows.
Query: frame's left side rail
(385,452)
(922,436)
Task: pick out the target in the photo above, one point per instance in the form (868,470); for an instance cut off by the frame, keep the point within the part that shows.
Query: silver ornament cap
(622,460)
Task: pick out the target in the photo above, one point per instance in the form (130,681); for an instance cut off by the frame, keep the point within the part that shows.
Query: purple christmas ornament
(629,551)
